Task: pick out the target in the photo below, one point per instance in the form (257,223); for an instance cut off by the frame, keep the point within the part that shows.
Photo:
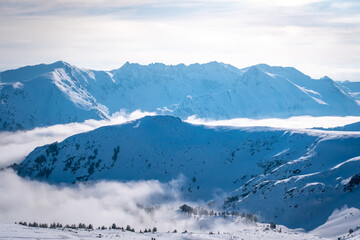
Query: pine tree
(272,225)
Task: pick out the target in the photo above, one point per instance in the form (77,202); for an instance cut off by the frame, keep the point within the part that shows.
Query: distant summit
(48,94)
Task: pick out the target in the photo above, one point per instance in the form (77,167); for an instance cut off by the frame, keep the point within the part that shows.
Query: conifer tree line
(185,209)
(84,226)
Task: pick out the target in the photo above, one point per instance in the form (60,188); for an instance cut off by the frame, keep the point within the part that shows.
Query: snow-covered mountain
(296,178)
(44,95)
(352,88)
(305,191)
(262,91)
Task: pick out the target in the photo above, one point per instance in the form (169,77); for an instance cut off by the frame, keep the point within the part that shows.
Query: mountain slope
(298,173)
(60,93)
(324,180)
(163,148)
(45,95)
(351,88)
(263,91)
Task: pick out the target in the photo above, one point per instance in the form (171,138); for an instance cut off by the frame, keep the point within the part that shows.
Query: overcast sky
(319,37)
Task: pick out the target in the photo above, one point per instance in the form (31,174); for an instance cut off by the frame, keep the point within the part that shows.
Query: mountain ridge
(212,90)
(255,167)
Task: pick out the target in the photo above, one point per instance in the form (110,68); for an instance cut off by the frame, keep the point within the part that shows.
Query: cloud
(100,203)
(121,9)
(14,147)
(284,3)
(299,122)
(312,35)
(140,204)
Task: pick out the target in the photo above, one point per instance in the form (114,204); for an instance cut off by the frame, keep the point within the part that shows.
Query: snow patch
(17,85)
(309,92)
(137,124)
(282,152)
(313,184)
(348,161)
(111,76)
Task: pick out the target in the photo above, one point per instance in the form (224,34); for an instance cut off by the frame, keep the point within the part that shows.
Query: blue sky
(319,37)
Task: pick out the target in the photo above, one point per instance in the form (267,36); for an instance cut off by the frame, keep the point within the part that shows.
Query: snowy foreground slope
(340,220)
(246,232)
(44,95)
(296,178)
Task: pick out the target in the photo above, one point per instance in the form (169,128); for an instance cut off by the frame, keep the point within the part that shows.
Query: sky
(318,37)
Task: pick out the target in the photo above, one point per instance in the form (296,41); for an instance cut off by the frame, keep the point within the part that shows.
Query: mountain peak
(24,73)
(254,71)
(213,63)
(326,78)
(263,66)
(207,66)
(164,120)
(60,62)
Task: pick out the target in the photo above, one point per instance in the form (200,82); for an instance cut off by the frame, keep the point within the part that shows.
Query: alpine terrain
(44,95)
(292,177)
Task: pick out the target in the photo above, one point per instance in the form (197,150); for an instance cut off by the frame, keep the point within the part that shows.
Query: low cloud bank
(15,146)
(299,122)
(99,203)
(140,204)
